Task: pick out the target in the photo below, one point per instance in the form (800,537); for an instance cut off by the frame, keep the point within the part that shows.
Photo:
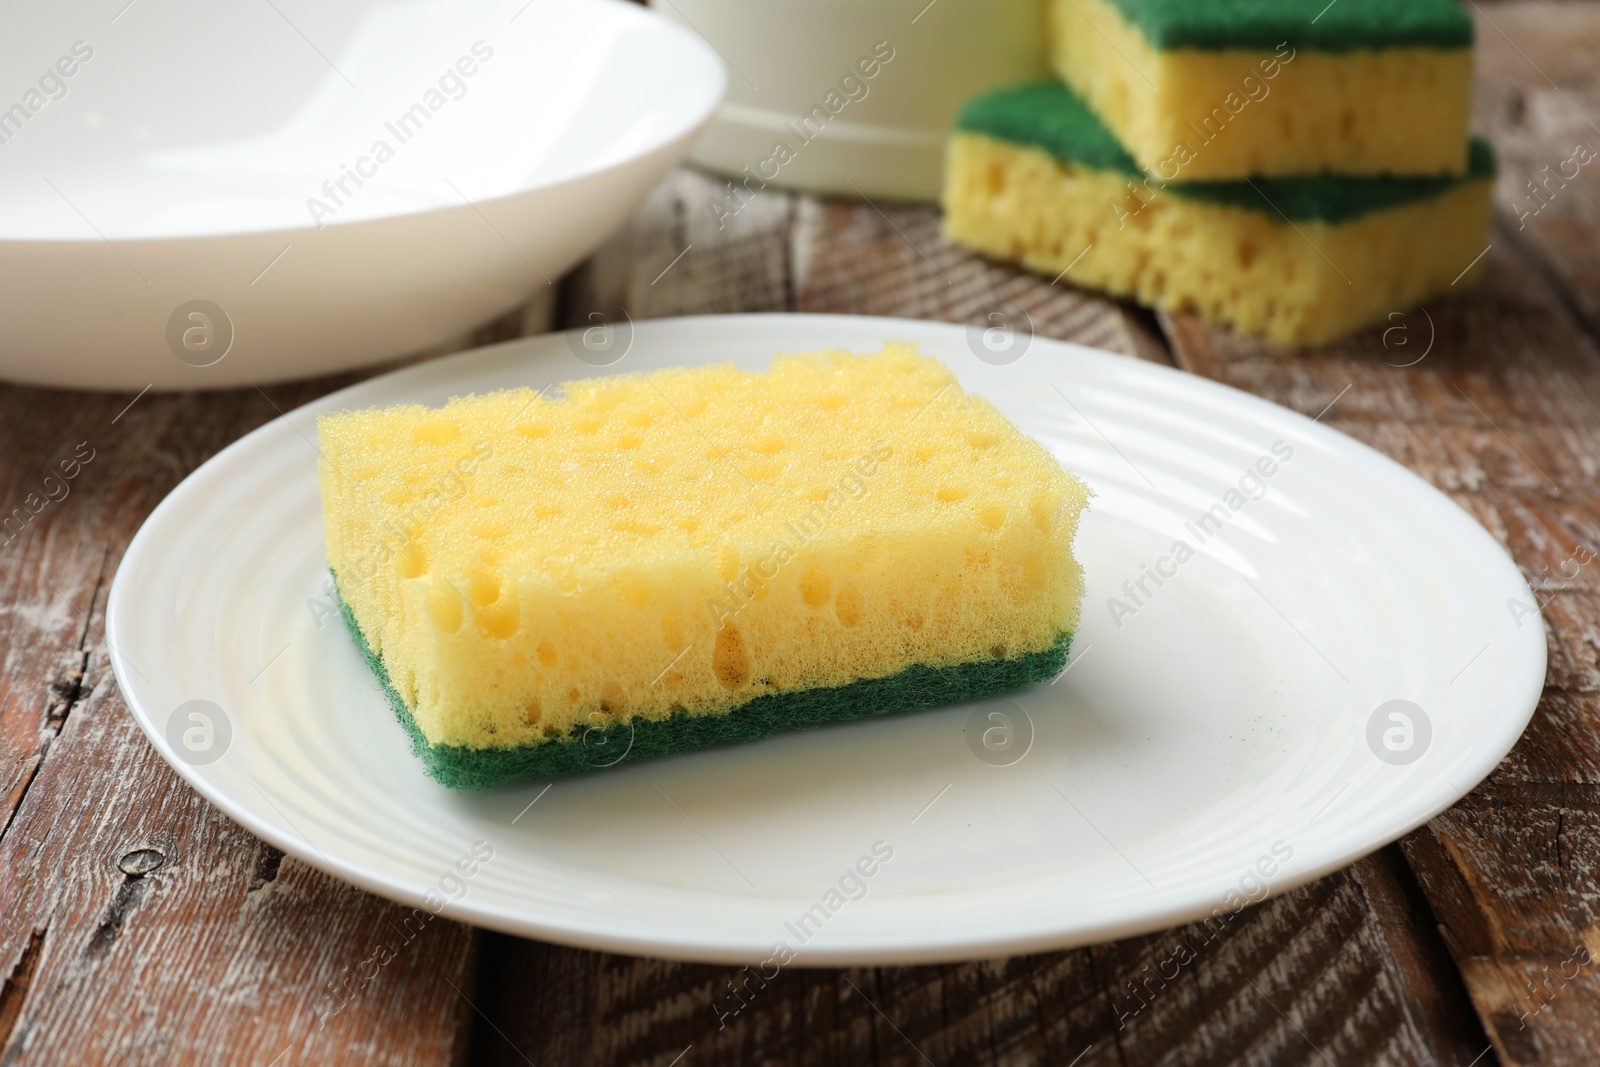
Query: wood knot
(141,861)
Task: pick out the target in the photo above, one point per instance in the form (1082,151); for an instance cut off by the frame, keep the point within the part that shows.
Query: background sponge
(1220,89)
(1033,176)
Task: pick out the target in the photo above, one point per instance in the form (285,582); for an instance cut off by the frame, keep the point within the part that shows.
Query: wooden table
(138,925)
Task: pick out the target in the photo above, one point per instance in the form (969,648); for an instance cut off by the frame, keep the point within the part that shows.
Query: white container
(878,136)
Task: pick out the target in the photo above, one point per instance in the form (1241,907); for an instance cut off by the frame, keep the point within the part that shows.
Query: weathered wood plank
(1294,982)
(161,932)
(137,924)
(1336,969)
(786,253)
(1510,873)
(1539,100)
(676,257)
(870,259)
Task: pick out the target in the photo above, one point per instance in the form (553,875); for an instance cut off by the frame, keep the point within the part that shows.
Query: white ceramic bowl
(862,92)
(171,210)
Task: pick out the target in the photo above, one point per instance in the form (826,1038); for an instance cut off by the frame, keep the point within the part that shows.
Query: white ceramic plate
(325,185)
(1220,743)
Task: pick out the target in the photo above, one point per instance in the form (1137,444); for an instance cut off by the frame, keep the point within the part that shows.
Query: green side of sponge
(1049,116)
(621,743)
(1342,26)
(1329,198)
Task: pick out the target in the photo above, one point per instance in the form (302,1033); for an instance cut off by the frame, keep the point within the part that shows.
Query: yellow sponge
(1032,176)
(679,544)
(1217,89)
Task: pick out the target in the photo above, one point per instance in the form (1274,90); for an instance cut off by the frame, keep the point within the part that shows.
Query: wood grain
(786,253)
(1346,969)
(1539,100)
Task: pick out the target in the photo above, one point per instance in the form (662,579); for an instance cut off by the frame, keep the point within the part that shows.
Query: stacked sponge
(1295,168)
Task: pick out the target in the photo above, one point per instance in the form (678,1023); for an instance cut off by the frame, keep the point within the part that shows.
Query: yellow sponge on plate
(554,583)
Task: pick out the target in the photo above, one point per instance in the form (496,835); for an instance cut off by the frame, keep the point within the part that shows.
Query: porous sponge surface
(1194,96)
(1298,284)
(531,568)
(616,743)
